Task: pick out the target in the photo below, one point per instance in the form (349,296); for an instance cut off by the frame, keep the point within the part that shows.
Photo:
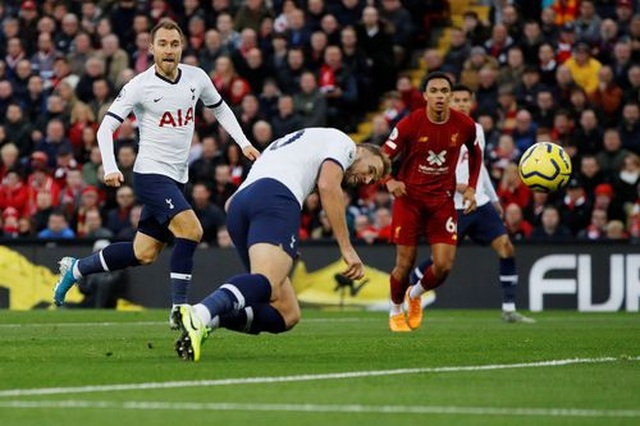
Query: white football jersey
(295,159)
(165,113)
(485,192)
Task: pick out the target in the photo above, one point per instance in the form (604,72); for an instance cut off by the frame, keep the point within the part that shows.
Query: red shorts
(435,219)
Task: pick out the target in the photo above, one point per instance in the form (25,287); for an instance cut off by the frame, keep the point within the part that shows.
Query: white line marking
(325,408)
(145,323)
(302,377)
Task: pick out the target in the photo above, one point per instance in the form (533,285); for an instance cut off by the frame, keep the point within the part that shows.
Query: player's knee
(146,256)
(504,247)
(442,268)
(291,319)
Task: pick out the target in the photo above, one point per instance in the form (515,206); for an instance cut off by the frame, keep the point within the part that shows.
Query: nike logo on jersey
(169,202)
(158,99)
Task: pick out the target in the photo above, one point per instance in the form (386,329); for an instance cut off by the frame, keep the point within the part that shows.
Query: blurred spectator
(411,96)
(9,155)
(94,69)
(229,37)
(511,188)
(551,229)
(128,233)
(615,230)
(588,134)
(575,206)
(626,182)
(250,15)
(211,50)
(511,73)
(310,104)
(118,218)
(629,127)
(315,51)
(503,156)
(611,158)
(394,11)
(355,58)
(487,89)
(42,61)
(289,76)
(477,60)
(394,108)
(475,30)
(90,167)
(380,130)
(590,174)
(524,131)
(530,42)
(382,224)
(262,134)
(54,141)
(597,227)
(126,156)
(102,290)
(92,227)
(588,22)
(17,129)
(376,40)
(13,193)
(605,199)
(249,113)
(547,64)
(203,168)
(340,88)
(499,43)
(624,12)
(544,110)
(223,188)
(57,227)
(238,164)
(517,227)
(584,68)
(608,96)
(211,216)
(324,229)
(287,120)
(364,229)
(10,226)
(141,59)
(80,52)
(458,52)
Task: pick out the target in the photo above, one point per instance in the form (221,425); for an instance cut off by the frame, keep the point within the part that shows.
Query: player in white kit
(163,99)
(484,225)
(264,220)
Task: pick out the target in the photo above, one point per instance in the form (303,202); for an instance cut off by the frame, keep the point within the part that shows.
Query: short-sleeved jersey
(484,190)
(295,159)
(165,112)
(429,152)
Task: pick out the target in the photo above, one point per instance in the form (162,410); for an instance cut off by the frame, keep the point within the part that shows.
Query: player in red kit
(428,143)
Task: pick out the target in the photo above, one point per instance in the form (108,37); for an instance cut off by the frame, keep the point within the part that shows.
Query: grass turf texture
(74,348)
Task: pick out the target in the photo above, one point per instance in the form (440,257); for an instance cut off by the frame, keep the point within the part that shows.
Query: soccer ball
(545,167)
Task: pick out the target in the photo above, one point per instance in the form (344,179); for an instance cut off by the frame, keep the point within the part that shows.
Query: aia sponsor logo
(177,118)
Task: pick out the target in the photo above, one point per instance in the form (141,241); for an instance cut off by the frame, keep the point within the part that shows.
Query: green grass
(73,348)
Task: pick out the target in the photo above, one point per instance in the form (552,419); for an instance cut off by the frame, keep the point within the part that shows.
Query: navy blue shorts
(264,212)
(482,226)
(162,198)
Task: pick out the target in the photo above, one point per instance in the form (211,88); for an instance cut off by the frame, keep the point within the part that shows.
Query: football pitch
(75,367)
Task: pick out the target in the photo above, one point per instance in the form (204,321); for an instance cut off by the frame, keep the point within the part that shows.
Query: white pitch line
(146,323)
(326,408)
(302,377)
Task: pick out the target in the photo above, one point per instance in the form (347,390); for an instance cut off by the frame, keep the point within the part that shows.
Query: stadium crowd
(571,76)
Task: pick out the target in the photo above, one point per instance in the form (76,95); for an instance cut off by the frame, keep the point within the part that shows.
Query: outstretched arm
(230,123)
(329,181)
(112,176)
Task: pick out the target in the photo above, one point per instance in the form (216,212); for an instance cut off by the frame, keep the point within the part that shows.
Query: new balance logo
(169,202)
(436,159)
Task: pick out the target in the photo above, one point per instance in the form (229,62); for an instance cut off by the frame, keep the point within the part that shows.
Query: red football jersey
(429,152)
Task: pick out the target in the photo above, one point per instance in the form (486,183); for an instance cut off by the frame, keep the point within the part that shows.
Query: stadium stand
(539,71)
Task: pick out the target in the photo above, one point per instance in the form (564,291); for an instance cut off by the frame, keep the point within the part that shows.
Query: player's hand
(469,200)
(355,267)
(396,188)
(114,179)
(251,153)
